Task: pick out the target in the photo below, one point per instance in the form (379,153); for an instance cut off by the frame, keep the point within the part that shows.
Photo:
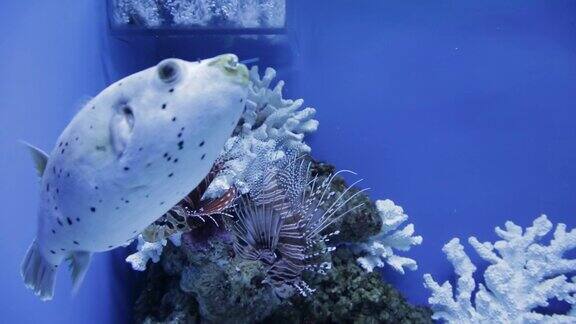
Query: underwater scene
(288,161)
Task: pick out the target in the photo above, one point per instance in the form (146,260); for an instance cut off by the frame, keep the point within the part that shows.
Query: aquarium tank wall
(380,161)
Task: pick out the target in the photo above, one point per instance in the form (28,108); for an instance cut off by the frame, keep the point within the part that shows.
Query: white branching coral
(269,127)
(380,248)
(523,275)
(147,251)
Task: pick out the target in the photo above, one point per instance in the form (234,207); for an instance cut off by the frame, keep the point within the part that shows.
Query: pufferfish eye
(168,71)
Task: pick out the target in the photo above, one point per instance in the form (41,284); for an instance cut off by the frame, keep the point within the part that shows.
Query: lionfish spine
(283,220)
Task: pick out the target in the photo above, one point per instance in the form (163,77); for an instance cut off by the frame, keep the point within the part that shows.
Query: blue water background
(463,112)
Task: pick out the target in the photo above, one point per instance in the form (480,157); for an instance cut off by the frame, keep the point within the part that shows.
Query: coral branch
(522,276)
(380,248)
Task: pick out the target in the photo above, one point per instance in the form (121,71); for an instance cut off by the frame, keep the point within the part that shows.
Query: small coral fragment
(380,248)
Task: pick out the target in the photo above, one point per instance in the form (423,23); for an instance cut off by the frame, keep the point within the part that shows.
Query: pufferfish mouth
(230,65)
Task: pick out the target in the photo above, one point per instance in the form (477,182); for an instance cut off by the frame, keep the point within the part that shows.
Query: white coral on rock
(380,248)
(270,126)
(523,275)
(147,251)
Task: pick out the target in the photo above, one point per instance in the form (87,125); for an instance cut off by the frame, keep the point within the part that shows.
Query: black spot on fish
(68,174)
(57,190)
(126,168)
(241,99)
(66,144)
(100,200)
(62,249)
(148,165)
(203,156)
(147,196)
(179,134)
(182,129)
(91,127)
(59,222)
(140,149)
(76,242)
(52,251)
(127,201)
(110,246)
(201,144)
(93,209)
(60,145)
(119,83)
(62,152)
(77,219)
(163,106)
(55,207)
(69,220)
(53,231)
(100,148)
(93,107)
(134,232)
(96,187)
(173,119)
(54,169)
(165,155)
(180,145)
(176,160)
(47,187)
(162,203)
(77,138)
(117,207)
(170,175)
(169,158)
(171,90)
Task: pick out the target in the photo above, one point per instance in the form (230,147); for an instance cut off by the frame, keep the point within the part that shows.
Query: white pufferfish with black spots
(133,152)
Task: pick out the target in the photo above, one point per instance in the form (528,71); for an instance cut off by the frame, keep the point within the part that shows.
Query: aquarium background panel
(462,112)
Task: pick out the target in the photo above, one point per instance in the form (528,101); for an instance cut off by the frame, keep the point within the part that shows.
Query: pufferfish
(131,153)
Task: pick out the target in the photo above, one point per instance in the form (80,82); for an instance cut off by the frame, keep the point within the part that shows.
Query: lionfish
(283,222)
(192,211)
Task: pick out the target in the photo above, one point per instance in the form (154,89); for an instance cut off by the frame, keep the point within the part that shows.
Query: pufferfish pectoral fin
(79,263)
(39,157)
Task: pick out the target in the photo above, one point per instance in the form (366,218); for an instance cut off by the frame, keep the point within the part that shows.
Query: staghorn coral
(523,275)
(269,126)
(379,249)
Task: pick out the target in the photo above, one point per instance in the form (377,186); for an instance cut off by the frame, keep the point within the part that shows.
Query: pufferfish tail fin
(38,274)
(79,263)
(40,158)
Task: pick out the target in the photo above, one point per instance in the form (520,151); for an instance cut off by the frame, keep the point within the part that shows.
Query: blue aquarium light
(189,17)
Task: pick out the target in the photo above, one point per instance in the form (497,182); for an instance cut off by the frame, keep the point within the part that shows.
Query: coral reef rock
(348,294)
(523,276)
(204,281)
